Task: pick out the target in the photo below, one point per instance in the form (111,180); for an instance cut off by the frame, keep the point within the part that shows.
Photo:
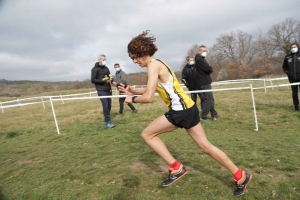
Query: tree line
(235,55)
(239,55)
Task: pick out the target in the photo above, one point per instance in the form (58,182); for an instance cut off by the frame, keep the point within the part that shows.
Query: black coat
(98,73)
(190,77)
(204,70)
(291,65)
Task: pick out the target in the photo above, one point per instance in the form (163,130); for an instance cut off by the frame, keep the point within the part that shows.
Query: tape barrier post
(271,84)
(254,108)
(265,85)
(53,112)
(62,100)
(43,102)
(18,101)
(1,107)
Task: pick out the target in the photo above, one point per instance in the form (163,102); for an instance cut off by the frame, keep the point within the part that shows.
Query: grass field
(89,161)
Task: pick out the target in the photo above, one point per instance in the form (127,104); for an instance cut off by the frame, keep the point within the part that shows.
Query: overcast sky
(60,40)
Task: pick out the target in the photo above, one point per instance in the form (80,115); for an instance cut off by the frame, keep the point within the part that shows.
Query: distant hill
(17,88)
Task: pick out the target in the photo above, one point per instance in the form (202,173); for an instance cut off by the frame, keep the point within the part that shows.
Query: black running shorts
(184,118)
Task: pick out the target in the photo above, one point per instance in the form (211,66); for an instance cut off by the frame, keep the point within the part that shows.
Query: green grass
(89,161)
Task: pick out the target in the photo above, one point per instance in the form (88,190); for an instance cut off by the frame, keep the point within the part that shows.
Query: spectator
(121,77)
(101,77)
(190,78)
(291,66)
(204,71)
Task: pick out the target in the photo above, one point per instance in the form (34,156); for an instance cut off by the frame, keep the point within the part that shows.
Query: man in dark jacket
(204,70)
(121,77)
(101,77)
(291,66)
(190,78)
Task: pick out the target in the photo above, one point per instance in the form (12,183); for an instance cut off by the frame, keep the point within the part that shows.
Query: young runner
(182,113)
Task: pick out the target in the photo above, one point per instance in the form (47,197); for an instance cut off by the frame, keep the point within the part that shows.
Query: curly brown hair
(142,45)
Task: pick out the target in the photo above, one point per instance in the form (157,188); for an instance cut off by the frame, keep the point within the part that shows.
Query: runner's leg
(198,135)
(149,134)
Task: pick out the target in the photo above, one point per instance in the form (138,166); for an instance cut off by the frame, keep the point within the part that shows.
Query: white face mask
(118,69)
(191,62)
(103,63)
(204,54)
(294,50)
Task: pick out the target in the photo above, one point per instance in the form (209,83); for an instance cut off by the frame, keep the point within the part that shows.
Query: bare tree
(235,52)
(217,60)
(191,52)
(265,47)
(283,34)
(240,55)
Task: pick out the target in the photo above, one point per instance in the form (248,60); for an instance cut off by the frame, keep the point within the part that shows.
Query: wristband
(133,98)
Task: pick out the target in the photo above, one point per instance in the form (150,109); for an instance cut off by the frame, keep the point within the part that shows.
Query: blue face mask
(294,50)
(118,69)
(103,63)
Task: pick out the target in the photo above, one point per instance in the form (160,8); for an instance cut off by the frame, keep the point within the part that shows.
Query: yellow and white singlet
(172,93)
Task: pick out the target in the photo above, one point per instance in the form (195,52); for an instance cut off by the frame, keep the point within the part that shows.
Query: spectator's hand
(114,83)
(105,79)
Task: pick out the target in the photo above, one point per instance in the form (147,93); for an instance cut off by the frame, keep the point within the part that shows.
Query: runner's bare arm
(138,91)
(131,91)
(148,95)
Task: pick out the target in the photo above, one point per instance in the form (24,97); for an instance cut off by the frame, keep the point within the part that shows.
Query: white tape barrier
(238,81)
(60,98)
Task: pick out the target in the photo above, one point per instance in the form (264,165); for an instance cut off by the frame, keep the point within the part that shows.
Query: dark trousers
(106,104)
(207,102)
(121,101)
(194,97)
(295,89)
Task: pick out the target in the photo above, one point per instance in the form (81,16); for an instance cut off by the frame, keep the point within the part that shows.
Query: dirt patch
(137,166)
(20,162)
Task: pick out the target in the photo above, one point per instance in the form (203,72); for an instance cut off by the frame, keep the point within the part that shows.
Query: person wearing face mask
(204,80)
(101,78)
(119,78)
(291,67)
(189,77)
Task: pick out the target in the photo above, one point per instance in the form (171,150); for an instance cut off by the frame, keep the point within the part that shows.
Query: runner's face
(139,60)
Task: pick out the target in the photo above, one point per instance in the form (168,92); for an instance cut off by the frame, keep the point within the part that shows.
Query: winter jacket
(204,70)
(120,77)
(189,77)
(98,73)
(291,65)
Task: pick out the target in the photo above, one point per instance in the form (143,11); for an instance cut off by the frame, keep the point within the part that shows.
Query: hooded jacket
(204,70)
(291,64)
(98,73)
